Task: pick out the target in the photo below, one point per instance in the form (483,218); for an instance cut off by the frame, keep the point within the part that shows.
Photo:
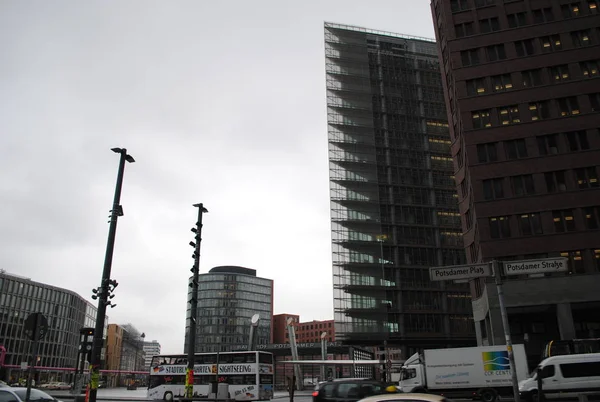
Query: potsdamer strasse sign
(527,267)
(458,272)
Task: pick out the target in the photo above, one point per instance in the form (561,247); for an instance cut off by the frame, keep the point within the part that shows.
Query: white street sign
(460,272)
(24,365)
(527,267)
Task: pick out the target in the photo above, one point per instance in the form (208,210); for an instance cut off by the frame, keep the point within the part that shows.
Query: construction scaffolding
(394,207)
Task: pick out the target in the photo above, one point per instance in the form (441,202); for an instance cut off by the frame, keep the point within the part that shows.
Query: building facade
(522,87)
(65,311)
(228,297)
(309,331)
(394,205)
(151,349)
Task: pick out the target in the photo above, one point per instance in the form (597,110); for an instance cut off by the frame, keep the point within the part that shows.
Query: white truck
(479,372)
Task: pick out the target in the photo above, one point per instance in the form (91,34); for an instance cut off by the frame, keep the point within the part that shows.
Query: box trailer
(481,372)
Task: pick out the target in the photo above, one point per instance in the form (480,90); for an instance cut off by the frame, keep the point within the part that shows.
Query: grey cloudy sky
(220,102)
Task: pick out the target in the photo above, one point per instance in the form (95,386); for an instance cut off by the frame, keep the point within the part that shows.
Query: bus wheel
(488,395)
(168,396)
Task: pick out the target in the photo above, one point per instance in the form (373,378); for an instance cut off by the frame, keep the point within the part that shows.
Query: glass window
(515,149)
(496,52)
(523,185)
(524,47)
(577,140)
(555,181)
(548,144)
(543,15)
(464,29)
(459,5)
(483,3)
(499,227)
(493,189)
(559,73)
(590,68)
(470,57)
(550,43)
(487,152)
(481,119)
(578,370)
(509,115)
(501,82)
(539,110)
(568,106)
(581,38)
(570,10)
(516,20)
(592,217)
(476,86)
(563,220)
(595,102)
(586,177)
(489,25)
(532,78)
(548,371)
(530,224)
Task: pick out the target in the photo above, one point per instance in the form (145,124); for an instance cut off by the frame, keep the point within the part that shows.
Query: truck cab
(412,375)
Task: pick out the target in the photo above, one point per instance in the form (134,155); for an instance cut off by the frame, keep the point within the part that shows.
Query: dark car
(347,390)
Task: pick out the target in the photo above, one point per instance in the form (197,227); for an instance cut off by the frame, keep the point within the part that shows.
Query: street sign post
(460,272)
(542,266)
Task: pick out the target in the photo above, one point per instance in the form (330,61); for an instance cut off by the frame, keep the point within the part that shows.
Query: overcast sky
(219,102)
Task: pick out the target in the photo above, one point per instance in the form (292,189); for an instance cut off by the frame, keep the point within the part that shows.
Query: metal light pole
(505,325)
(115,212)
(189,378)
(323,353)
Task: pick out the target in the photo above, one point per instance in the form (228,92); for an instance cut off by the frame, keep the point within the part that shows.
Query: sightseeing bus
(249,375)
(571,347)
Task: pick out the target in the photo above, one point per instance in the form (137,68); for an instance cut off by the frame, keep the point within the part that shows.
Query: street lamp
(103,301)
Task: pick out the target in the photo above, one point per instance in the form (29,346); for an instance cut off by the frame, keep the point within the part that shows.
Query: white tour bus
(249,375)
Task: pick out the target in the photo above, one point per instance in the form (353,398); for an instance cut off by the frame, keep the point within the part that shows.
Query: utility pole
(509,345)
(115,212)
(189,378)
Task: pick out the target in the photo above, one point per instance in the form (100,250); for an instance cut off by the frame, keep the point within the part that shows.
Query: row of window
(530,224)
(556,181)
(549,144)
(526,47)
(571,10)
(519,19)
(532,78)
(539,110)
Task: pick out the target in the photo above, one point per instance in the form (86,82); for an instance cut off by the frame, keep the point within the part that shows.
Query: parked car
(347,390)
(3,384)
(18,394)
(63,386)
(405,397)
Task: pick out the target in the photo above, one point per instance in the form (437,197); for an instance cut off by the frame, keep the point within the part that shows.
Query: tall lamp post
(103,296)
(189,374)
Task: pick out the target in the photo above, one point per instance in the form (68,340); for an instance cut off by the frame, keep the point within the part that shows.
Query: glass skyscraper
(394,207)
(228,297)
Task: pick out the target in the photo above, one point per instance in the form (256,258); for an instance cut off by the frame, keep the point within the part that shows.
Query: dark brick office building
(522,87)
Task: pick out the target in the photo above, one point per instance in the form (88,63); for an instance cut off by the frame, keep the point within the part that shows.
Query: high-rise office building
(228,297)
(394,205)
(522,87)
(66,313)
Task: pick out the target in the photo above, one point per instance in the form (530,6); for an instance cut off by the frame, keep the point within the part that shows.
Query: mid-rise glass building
(394,206)
(66,312)
(228,297)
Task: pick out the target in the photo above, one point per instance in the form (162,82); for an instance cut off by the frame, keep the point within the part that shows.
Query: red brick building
(305,331)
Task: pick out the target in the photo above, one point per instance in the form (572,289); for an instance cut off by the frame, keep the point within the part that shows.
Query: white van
(564,376)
